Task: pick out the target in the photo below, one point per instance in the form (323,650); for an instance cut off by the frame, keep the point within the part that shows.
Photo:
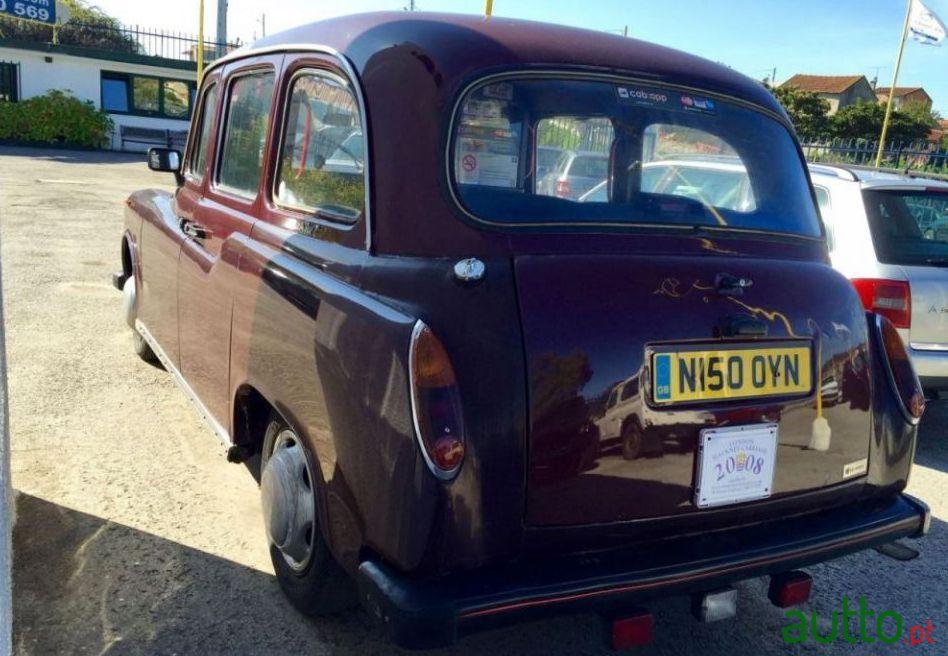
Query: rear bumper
(931,367)
(434,612)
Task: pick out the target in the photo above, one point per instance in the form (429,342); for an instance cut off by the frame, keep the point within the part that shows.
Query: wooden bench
(153,136)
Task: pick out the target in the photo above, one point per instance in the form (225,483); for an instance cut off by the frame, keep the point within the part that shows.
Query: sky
(822,37)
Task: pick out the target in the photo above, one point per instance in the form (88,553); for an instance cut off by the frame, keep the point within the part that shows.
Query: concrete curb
(6,498)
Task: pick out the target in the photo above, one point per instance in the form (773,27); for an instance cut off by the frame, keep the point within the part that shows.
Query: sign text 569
(38,10)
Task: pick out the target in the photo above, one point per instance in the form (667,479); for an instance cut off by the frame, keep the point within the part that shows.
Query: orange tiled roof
(899,91)
(822,83)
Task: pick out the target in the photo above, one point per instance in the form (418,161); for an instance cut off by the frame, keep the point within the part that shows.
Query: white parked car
(721,182)
(888,233)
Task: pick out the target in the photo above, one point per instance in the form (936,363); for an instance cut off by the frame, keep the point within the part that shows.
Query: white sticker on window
(478,165)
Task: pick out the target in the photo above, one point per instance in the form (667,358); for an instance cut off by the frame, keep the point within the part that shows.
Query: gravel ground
(135,536)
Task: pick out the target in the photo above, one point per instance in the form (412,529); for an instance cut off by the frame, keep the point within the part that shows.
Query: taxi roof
(455,47)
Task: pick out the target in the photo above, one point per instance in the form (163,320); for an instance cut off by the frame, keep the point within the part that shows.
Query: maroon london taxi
(514,319)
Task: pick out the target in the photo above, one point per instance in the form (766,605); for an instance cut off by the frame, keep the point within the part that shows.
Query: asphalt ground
(135,536)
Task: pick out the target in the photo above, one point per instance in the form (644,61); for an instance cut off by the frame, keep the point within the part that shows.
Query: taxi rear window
(549,151)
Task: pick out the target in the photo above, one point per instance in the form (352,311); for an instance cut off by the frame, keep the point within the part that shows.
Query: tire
(632,440)
(317,586)
(143,350)
(129,305)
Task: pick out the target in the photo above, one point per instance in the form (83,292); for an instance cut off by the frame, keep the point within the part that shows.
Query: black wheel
(142,349)
(632,440)
(305,569)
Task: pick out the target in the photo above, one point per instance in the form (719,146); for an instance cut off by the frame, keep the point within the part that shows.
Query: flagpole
(895,79)
(200,43)
(488,8)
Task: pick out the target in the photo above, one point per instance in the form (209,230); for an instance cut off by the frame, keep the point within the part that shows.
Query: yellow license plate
(682,375)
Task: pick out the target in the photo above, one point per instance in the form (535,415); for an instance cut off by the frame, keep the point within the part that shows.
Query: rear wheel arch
(632,422)
(127,261)
(252,411)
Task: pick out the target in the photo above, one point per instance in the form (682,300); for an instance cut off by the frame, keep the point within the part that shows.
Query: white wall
(81,76)
(6,509)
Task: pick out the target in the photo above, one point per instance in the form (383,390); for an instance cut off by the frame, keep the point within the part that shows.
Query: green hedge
(55,118)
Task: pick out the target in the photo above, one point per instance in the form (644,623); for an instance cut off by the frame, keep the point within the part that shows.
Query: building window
(177,98)
(9,81)
(114,94)
(142,95)
(145,94)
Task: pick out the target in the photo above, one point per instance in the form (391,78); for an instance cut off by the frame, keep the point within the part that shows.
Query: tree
(863,120)
(87,26)
(921,113)
(808,112)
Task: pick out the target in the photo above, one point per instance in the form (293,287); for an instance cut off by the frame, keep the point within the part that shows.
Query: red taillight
(901,374)
(562,189)
(435,404)
(790,589)
(632,631)
(890,298)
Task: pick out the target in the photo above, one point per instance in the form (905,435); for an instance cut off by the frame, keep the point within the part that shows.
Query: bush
(55,118)
(863,120)
(808,112)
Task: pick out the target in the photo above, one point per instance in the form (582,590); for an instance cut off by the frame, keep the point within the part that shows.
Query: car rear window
(628,154)
(909,226)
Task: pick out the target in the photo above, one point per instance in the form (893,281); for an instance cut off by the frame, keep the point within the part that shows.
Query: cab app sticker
(666,99)
(642,96)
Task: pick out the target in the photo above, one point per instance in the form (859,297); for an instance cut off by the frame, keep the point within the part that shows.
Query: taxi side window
(202,139)
(322,152)
(245,132)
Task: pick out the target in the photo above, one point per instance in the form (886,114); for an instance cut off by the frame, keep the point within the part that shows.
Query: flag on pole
(924,26)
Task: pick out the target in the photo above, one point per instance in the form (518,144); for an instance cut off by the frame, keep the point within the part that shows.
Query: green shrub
(55,118)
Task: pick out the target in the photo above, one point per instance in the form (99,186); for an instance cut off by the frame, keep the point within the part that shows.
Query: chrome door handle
(194,230)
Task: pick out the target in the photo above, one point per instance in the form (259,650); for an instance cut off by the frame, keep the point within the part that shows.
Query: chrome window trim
(190,152)
(553,73)
(312,213)
(355,82)
(222,119)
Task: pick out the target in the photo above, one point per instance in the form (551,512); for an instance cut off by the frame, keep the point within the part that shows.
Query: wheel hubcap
(128,301)
(289,507)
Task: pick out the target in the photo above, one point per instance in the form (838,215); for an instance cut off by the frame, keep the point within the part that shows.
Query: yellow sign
(680,376)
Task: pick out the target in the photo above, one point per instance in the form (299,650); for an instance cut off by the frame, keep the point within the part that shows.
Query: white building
(149,98)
